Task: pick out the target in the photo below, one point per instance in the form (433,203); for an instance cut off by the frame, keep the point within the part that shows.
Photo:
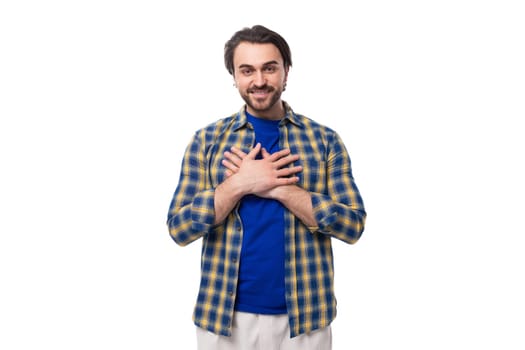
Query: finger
(280,154)
(237,152)
(265,153)
(284,172)
(287,180)
(254,151)
(286,160)
(230,166)
(232,158)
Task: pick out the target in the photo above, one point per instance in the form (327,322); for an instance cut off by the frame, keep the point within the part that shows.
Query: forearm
(299,202)
(227,195)
(320,213)
(191,213)
(343,219)
(190,216)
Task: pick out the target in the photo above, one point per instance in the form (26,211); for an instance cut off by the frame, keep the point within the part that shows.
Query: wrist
(234,187)
(284,193)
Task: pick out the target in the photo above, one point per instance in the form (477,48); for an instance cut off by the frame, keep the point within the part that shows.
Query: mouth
(261,92)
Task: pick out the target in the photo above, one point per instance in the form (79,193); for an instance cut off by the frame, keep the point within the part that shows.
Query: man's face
(260,76)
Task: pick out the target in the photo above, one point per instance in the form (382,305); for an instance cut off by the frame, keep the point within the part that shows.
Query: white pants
(263,332)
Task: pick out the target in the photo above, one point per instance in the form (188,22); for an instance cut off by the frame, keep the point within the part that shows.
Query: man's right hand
(259,176)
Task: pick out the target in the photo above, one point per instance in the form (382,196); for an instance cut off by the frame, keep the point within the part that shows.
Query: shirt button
(234,260)
(230,293)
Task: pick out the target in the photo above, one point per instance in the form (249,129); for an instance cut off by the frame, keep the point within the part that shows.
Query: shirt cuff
(325,213)
(203,211)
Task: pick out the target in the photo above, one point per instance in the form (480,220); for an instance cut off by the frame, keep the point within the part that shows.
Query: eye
(270,69)
(246,71)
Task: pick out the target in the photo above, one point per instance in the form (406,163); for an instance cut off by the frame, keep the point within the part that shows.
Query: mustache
(265,87)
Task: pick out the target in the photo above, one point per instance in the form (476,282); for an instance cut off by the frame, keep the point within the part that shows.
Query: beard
(264,105)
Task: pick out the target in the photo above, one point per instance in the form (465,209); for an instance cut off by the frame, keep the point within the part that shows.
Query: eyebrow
(269,63)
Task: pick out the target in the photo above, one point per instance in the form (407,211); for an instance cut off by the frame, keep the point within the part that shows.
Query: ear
(285,80)
(234,77)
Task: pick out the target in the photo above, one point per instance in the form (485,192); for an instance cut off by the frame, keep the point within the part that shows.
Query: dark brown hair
(258,35)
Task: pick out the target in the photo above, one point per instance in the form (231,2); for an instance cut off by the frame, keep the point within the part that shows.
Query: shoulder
(219,124)
(320,131)
(307,123)
(318,137)
(218,127)
(313,123)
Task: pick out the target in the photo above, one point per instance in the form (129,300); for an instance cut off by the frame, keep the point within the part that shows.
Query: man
(266,189)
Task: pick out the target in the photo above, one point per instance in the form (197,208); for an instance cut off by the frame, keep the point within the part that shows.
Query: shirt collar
(242,121)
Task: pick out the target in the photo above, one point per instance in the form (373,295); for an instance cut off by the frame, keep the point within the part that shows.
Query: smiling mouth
(260,91)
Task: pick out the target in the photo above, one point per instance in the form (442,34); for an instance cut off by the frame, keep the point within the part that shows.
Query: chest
(313,153)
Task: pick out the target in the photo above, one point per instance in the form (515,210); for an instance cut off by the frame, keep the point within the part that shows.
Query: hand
(261,176)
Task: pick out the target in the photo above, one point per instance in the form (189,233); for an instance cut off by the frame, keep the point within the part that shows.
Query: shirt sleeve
(340,212)
(191,213)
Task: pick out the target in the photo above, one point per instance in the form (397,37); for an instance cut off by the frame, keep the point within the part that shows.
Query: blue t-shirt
(261,272)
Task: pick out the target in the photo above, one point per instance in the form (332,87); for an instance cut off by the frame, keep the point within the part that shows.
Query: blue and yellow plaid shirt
(337,205)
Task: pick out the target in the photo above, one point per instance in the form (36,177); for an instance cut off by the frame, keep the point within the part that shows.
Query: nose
(259,79)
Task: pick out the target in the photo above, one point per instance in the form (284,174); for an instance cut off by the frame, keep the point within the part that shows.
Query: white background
(98,100)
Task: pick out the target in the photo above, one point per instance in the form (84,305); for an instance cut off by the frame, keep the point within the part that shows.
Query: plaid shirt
(337,205)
